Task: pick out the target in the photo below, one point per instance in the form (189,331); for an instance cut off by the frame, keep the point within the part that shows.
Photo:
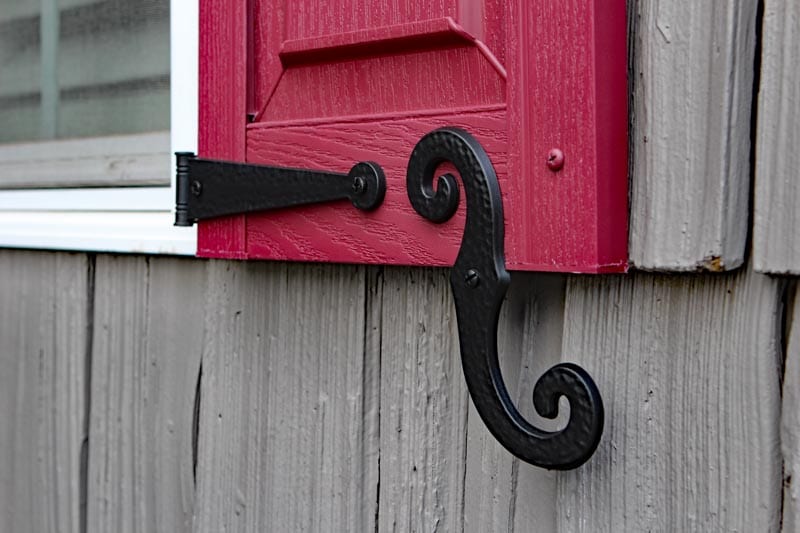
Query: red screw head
(555,160)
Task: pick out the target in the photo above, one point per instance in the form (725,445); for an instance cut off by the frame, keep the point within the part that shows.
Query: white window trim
(121,219)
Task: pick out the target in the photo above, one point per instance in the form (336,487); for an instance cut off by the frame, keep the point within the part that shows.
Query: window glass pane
(75,68)
(20,66)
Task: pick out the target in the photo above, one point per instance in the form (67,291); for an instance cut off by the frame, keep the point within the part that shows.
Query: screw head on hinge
(196,188)
(472,278)
(359,185)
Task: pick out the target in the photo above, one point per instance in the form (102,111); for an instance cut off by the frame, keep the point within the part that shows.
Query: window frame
(82,215)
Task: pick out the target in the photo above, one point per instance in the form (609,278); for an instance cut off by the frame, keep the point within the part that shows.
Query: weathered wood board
(44,319)
(790,421)
(776,239)
(690,370)
(289,401)
(440,467)
(332,398)
(423,405)
(692,79)
(504,494)
(146,349)
(269,455)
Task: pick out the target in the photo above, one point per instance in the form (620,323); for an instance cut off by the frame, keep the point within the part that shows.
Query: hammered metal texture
(479,281)
(208,188)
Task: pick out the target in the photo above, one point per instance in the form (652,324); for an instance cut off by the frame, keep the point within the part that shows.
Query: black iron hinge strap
(208,188)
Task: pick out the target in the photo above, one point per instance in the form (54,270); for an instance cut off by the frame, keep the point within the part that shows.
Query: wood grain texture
(336,87)
(776,241)
(689,369)
(44,321)
(321,17)
(223,79)
(423,417)
(392,234)
(567,89)
(502,493)
(223,85)
(441,470)
(288,413)
(148,338)
(416,35)
(352,87)
(692,96)
(790,420)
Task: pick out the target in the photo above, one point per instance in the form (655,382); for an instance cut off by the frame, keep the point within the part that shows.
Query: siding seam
(91,263)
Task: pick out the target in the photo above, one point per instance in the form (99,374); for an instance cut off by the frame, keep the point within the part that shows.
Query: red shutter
(332,82)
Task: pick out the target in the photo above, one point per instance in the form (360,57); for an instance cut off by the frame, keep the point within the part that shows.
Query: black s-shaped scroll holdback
(479,280)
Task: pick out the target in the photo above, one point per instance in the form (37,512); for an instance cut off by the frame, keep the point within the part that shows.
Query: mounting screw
(359,185)
(196,188)
(555,160)
(472,278)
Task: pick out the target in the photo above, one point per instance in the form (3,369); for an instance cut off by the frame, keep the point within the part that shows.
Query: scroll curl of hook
(479,281)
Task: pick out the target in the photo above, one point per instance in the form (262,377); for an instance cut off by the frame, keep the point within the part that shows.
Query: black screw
(196,188)
(472,278)
(359,185)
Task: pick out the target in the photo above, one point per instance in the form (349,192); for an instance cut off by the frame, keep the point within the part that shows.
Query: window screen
(76,68)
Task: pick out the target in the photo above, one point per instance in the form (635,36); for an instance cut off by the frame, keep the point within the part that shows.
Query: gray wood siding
(146,347)
(776,239)
(423,414)
(331,398)
(161,394)
(44,316)
(790,419)
(288,413)
(691,371)
(692,77)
